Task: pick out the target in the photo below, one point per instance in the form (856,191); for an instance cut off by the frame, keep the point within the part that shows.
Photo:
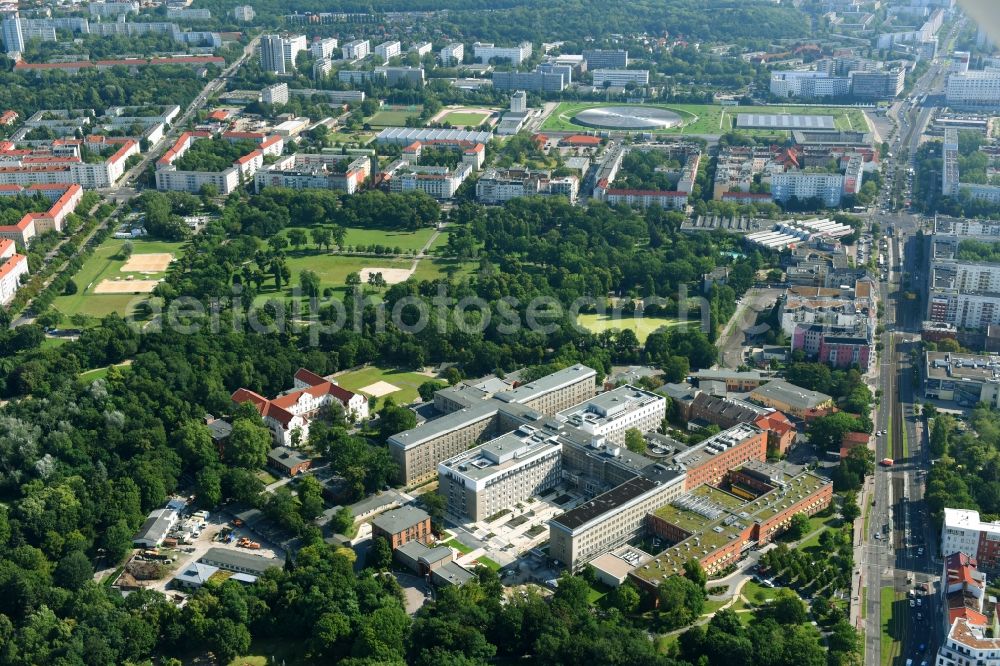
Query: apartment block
(452,54)
(112,9)
(537,81)
(418,451)
(620,78)
(485,52)
(606,59)
(168,177)
(483,481)
(969,614)
(356,50)
(12,267)
(498,186)
(323,48)
(973,89)
(878,85)
(275,94)
(244,13)
(278,52)
(964,532)
(387,50)
(342,173)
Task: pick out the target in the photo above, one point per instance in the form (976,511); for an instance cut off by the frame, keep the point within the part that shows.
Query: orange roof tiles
(12,262)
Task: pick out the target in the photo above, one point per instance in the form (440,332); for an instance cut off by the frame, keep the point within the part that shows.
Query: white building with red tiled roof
(168,177)
(64,198)
(969,618)
(294,410)
(60,162)
(12,267)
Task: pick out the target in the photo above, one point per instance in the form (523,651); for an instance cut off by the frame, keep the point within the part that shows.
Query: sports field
(711,118)
(466,118)
(106,265)
(393,117)
(405,381)
(641,326)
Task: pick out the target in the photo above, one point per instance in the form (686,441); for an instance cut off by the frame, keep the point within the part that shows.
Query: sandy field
(155,262)
(125,287)
(379,389)
(390,275)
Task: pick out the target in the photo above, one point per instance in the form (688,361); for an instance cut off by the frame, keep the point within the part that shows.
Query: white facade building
(387,50)
(13,37)
(12,267)
(356,50)
(484,52)
(452,54)
(974,88)
(323,48)
(519,102)
(276,94)
(346,173)
(278,54)
(487,479)
(610,414)
(620,77)
(244,13)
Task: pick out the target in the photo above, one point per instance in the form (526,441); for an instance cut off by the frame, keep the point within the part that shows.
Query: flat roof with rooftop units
(500,456)
(714,519)
(781,121)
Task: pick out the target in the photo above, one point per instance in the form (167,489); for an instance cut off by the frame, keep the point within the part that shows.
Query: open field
(641,326)
(710,118)
(125,286)
(466,118)
(106,264)
(404,240)
(407,382)
(393,117)
(150,262)
(390,275)
(333,269)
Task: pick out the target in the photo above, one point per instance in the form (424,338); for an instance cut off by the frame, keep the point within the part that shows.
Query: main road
(125,189)
(899,546)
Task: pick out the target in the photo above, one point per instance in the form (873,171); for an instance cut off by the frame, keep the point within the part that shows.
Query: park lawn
(712,606)
(393,118)
(891,639)
(49,343)
(333,269)
(404,240)
(437,268)
(464,118)
(712,118)
(440,243)
(105,263)
(641,326)
(100,373)
(408,382)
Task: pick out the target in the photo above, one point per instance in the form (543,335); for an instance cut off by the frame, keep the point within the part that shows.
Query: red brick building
(780,431)
(711,459)
(402,525)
